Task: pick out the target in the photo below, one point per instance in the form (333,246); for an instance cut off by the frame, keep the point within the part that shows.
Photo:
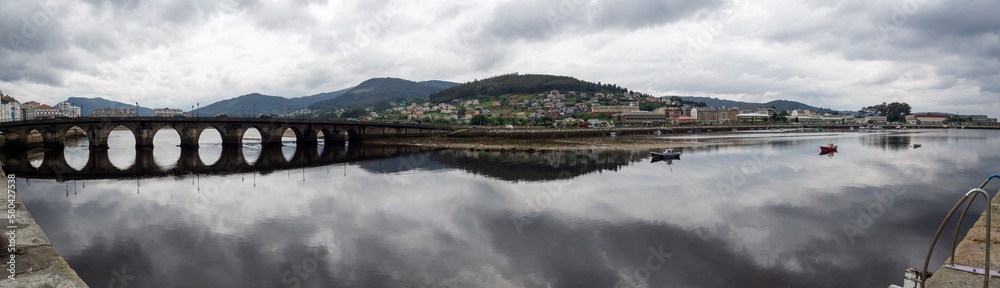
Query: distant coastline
(491,138)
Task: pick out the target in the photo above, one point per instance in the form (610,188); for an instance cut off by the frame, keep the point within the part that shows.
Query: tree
(894,112)
(353,113)
(650,106)
(479,120)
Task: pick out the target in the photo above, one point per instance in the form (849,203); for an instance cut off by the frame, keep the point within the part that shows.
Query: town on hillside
(550,109)
(592,110)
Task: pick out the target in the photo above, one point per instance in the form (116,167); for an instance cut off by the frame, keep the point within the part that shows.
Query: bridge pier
(144,162)
(189,136)
(98,137)
(189,159)
(335,136)
(231,161)
(99,160)
(144,138)
(271,136)
(15,141)
(232,137)
(307,137)
(52,140)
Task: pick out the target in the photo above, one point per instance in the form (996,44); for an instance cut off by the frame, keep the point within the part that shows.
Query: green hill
(379,92)
(265,104)
(87,105)
(520,84)
(306,100)
(439,83)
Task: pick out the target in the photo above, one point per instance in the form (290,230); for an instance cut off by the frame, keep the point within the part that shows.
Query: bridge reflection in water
(231,161)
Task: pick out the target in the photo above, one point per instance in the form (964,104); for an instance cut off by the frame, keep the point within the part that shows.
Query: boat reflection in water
(829,153)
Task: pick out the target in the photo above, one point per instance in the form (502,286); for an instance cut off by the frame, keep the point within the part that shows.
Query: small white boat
(668,153)
(657,133)
(614,134)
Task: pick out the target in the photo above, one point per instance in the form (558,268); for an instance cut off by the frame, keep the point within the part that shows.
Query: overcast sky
(935,55)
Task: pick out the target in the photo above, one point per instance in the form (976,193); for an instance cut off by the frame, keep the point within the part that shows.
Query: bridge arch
(299,134)
(209,136)
(70,133)
(33,138)
(167,154)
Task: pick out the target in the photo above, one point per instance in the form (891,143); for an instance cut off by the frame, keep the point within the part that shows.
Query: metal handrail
(975,192)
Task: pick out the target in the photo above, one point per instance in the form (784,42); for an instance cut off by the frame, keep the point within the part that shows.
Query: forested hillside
(520,84)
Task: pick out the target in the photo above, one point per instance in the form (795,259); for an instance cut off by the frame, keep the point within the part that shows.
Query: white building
(114,112)
(10,109)
(68,110)
(166,112)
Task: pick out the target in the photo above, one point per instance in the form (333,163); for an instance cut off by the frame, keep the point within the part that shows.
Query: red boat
(828,148)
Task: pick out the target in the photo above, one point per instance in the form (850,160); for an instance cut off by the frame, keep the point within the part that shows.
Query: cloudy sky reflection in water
(439,226)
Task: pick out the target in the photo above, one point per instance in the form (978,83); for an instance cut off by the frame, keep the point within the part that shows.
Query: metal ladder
(970,197)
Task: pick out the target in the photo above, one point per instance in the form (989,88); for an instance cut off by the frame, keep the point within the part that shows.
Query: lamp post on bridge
(199,110)
(241,111)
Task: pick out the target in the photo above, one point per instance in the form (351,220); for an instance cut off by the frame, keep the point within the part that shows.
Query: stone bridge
(97,130)
(231,161)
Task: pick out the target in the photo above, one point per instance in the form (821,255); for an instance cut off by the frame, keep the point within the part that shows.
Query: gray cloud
(886,50)
(541,20)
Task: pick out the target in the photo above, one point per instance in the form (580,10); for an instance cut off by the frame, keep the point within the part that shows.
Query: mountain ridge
(380,92)
(87,105)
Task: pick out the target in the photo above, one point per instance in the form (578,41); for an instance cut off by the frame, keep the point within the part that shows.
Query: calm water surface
(770,212)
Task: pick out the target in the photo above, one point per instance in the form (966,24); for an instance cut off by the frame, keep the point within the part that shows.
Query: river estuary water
(769,212)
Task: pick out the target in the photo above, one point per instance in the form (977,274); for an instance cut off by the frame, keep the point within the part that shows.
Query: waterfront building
(68,110)
(685,119)
(166,112)
(34,110)
(639,116)
(979,118)
(613,109)
(705,114)
(873,119)
(10,109)
(752,117)
(115,112)
(926,119)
